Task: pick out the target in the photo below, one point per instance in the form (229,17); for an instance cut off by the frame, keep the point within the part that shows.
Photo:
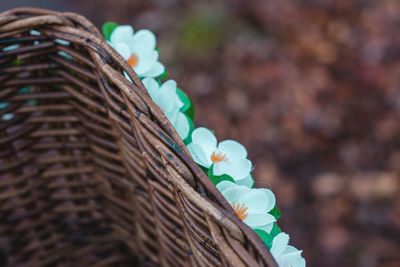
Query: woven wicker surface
(91,171)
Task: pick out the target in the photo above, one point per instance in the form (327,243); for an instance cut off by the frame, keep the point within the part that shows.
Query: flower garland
(225,163)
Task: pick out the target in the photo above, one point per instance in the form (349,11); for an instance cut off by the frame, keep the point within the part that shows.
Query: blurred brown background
(311,88)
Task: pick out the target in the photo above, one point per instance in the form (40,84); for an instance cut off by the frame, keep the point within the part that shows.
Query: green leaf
(275,212)
(188,107)
(108,28)
(158,82)
(32,102)
(163,75)
(188,139)
(218,179)
(265,237)
(252,186)
(203,168)
(275,230)
(73,72)
(52,72)
(24,90)
(16,62)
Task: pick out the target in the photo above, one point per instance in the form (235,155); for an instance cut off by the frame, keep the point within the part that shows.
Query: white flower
(138,49)
(250,204)
(285,255)
(166,98)
(228,157)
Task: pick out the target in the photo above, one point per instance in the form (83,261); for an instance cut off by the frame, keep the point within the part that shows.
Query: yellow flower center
(217,157)
(240,210)
(133,60)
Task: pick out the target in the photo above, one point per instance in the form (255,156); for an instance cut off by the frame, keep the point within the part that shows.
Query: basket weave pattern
(92,173)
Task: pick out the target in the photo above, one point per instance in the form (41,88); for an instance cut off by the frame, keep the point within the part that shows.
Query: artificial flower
(250,204)
(139,49)
(226,158)
(285,255)
(166,97)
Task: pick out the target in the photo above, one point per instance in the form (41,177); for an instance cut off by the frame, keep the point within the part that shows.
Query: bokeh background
(311,88)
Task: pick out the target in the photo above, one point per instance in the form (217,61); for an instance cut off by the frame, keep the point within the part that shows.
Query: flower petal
(10,47)
(169,85)
(224,185)
(242,168)
(181,125)
(234,194)
(198,155)
(237,169)
(34,32)
(267,227)
(291,257)
(257,201)
(7,116)
(62,42)
(232,149)
(206,140)
(260,221)
(3,105)
(224,167)
(122,33)
(166,100)
(156,70)
(63,54)
(247,181)
(290,249)
(143,40)
(152,87)
(145,62)
(279,244)
(127,76)
(271,197)
(123,50)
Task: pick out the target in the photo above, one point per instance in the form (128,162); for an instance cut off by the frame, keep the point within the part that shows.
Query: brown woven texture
(91,172)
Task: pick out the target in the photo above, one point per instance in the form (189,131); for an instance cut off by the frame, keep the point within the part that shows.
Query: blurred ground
(311,88)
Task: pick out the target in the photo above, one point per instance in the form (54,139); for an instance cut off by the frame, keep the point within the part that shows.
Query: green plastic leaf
(73,72)
(218,179)
(32,102)
(252,186)
(52,72)
(108,28)
(203,168)
(188,139)
(275,212)
(16,62)
(275,230)
(265,237)
(158,82)
(163,75)
(188,107)
(24,90)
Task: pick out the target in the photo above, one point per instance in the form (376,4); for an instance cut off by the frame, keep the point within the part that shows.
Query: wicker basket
(91,171)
